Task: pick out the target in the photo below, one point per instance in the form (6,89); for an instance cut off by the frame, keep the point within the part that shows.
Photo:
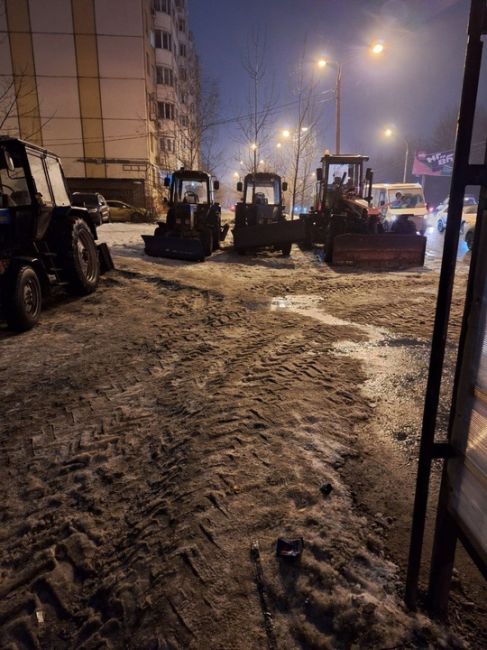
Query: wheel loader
(192,230)
(350,230)
(44,240)
(260,221)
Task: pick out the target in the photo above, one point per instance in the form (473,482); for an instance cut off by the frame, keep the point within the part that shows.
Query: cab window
(61,197)
(43,193)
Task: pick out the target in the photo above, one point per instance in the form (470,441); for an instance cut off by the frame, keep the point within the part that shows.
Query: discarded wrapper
(290,548)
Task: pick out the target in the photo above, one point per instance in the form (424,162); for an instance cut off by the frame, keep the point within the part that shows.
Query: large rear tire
(79,257)
(23,299)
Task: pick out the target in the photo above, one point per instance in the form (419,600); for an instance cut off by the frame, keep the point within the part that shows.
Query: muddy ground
(158,436)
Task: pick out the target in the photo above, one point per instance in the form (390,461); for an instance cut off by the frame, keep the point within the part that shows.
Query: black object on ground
(289,548)
(326,489)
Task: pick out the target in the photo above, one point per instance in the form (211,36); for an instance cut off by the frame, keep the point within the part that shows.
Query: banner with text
(433,164)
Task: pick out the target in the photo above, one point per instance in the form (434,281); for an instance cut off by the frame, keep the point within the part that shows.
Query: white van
(394,199)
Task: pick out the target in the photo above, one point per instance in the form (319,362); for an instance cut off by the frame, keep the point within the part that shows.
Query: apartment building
(104,84)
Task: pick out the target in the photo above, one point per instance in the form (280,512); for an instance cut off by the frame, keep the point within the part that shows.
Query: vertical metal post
(338,97)
(406,159)
(445,289)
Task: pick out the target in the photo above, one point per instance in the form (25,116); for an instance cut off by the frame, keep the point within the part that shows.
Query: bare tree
(261,100)
(304,149)
(197,127)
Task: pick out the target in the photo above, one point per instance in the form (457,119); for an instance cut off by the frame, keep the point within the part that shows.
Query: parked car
(95,203)
(120,211)
(469,225)
(441,213)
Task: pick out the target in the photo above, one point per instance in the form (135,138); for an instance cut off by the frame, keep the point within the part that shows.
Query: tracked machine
(344,224)
(192,230)
(260,221)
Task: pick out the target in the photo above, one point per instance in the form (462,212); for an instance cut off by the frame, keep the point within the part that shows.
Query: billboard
(433,164)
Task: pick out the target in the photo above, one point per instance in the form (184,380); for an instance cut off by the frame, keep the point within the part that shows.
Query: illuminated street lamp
(377,47)
(389,133)
(286,133)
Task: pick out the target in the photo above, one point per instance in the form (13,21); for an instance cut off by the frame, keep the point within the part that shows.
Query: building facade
(105,85)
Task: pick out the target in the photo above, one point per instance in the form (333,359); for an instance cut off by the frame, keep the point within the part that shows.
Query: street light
(377,47)
(389,133)
(322,63)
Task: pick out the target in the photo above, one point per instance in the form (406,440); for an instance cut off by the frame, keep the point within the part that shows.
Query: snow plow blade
(178,248)
(385,250)
(270,234)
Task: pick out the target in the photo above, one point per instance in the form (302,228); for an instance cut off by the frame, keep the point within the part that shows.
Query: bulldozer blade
(384,250)
(178,248)
(271,234)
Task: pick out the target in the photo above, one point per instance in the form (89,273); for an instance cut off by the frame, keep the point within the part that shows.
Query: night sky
(415,82)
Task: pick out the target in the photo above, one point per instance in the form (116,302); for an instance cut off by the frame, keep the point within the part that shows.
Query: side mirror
(319,174)
(216,185)
(167,181)
(284,187)
(368,173)
(239,186)
(382,203)
(7,160)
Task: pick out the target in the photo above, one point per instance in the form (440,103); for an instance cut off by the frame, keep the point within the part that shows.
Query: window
(58,185)
(182,49)
(165,110)
(182,25)
(40,180)
(163,5)
(163,40)
(184,121)
(184,98)
(165,76)
(168,145)
(183,75)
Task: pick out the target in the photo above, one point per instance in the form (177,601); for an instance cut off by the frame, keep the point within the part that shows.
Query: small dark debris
(289,548)
(326,489)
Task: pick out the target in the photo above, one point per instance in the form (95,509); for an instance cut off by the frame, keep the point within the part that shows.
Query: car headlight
(393,217)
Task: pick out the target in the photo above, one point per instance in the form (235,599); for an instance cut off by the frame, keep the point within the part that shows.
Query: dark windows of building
(183,75)
(165,110)
(167,145)
(182,49)
(162,5)
(163,40)
(182,25)
(165,75)
(184,121)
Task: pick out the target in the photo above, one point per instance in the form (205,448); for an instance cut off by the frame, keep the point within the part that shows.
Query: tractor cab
(262,199)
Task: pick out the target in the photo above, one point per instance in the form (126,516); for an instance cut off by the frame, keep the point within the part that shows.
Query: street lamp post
(389,133)
(338,98)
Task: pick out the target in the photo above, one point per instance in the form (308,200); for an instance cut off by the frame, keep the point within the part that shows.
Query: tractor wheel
(286,250)
(206,237)
(216,238)
(23,299)
(469,240)
(80,263)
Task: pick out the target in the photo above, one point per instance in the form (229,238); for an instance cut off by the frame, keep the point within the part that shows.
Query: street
(155,431)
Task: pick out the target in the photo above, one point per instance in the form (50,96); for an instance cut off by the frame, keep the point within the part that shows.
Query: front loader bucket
(179,248)
(384,250)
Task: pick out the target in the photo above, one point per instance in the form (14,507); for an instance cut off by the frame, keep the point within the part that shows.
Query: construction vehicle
(192,230)
(260,221)
(343,221)
(44,240)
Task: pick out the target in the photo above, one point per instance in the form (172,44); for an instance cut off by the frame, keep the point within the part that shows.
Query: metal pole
(338,93)
(447,276)
(406,162)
